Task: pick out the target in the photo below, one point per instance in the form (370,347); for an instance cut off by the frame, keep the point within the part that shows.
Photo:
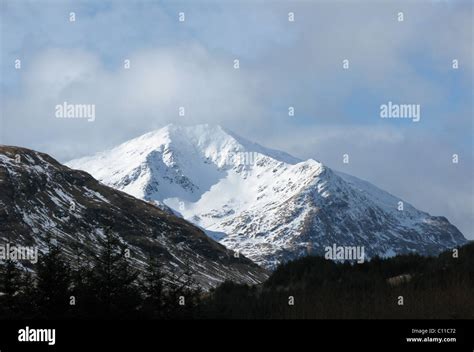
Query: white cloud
(128,101)
(282,64)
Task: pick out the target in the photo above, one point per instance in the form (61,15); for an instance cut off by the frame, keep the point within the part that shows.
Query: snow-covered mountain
(39,197)
(266,204)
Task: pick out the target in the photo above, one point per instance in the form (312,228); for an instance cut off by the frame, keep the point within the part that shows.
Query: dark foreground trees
(439,288)
(102,286)
(106,286)
(12,283)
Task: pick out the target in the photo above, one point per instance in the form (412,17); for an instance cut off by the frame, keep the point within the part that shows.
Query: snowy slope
(264,203)
(40,197)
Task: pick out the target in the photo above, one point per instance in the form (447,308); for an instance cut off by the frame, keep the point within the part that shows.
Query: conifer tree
(11,281)
(113,282)
(80,274)
(182,297)
(152,286)
(52,291)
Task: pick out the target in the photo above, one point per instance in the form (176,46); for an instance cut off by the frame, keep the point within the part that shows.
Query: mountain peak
(168,156)
(264,203)
(210,139)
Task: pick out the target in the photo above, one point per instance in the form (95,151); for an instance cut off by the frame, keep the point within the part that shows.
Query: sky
(282,64)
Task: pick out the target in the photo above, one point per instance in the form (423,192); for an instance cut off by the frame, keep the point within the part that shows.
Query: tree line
(312,287)
(102,286)
(106,286)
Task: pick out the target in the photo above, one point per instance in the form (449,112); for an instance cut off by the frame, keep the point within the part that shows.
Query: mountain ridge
(41,197)
(264,203)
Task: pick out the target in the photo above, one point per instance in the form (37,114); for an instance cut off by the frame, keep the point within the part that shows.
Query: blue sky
(282,64)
